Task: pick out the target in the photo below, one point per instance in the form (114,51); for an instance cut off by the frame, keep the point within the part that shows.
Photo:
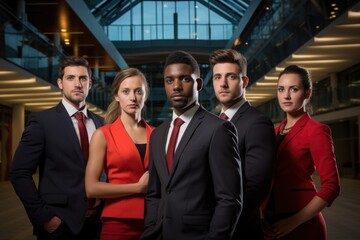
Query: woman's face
(291,93)
(131,95)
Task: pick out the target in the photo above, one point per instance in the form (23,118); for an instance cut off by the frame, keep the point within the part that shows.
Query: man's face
(181,86)
(229,84)
(75,85)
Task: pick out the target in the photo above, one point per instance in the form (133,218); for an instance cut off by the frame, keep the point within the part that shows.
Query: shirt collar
(188,115)
(231,111)
(71,110)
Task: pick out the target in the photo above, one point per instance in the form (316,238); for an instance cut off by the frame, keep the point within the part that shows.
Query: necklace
(286,129)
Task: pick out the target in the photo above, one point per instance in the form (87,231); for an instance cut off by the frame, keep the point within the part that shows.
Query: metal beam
(94,27)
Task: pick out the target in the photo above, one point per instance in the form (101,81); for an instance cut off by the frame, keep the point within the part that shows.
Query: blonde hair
(114,109)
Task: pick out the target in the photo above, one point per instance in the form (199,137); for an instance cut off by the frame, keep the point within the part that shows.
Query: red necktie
(172,143)
(224,116)
(84,141)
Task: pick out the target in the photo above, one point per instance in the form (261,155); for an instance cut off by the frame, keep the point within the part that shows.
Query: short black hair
(185,58)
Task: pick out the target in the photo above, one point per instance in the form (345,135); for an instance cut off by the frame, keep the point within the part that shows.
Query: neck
(292,118)
(130,120)
(228,105)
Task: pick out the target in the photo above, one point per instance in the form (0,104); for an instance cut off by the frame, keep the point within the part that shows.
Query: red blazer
(306,148)
(124,165)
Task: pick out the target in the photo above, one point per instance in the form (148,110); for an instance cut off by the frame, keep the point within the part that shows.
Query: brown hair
(229,56)
(73,61)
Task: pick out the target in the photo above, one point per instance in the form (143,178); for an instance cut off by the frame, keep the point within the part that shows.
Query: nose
(177,84)
(133,96)
(223,82)
(287,94)
(78,82)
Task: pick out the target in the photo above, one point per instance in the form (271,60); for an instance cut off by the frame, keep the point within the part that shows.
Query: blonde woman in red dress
(121,149)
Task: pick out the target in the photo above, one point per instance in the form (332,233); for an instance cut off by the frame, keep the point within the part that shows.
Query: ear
(116,97)
(308,93)
(90,83)
(245,80)
(60,83)
(199,82)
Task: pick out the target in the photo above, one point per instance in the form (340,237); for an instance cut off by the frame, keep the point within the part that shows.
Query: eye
(125,91)
(294,89)
(139,92)
(83,78)
(186,79)
(216,77)
(232,77)
(280,89)
(169,80)
(69,77)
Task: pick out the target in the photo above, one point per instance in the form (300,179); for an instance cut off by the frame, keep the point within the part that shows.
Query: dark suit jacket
(50,143)
(201,198)
(257,151)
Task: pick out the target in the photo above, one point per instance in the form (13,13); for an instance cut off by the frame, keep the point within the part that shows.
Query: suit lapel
(194,123)
(240,112)
(294,131)
(95,119)
(69,129)
(161,148)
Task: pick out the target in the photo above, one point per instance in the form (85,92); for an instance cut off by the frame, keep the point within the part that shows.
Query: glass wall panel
(151,20)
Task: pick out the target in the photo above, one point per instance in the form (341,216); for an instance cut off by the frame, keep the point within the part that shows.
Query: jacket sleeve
(259,144)
(322,152)
(225,168)
(152,199)
(26,160)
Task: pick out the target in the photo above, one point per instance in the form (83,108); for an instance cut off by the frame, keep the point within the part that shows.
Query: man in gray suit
(57,207)
(197,195)
(255,133)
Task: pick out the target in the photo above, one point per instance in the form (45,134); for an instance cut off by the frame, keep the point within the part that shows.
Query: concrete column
(57,40)
(18,125)
(20,10)
(333,84)
(357,161)
(4,135)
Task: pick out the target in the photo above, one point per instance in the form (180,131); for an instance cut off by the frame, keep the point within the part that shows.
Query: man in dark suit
(255,133)
(198,194)
(57,207)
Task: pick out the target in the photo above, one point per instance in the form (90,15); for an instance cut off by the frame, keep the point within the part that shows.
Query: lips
(224,93)
(133,106)
(177,96)
(286,103)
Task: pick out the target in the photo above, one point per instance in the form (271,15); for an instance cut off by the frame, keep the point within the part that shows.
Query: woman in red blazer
(293,208)
(121,148)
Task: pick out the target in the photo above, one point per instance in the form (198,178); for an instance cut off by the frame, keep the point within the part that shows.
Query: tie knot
(224,116)
(178,122)
(79,116)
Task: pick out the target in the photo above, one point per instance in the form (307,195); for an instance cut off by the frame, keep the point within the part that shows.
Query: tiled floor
(343,217)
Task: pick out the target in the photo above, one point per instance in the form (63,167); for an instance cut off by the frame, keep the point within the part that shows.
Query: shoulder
(314,127)
(254,113)
(45,116)
(96,117)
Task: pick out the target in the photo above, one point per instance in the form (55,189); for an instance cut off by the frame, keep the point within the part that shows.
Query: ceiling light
(266,83)
(18,81)
(275,78)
